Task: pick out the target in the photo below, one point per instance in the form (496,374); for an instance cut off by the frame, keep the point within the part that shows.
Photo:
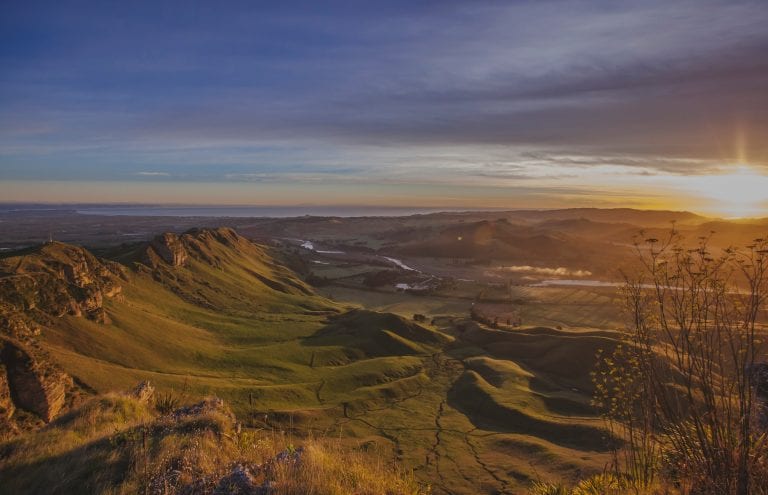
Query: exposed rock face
(58,279)
(172,250)
(168,248)
(34,385)
(17,327)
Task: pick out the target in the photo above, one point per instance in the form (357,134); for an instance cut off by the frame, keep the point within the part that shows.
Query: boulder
(100,316)
(111,290)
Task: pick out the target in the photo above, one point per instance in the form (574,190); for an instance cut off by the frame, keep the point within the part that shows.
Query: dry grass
(599,484)
(330,468)
(117,445)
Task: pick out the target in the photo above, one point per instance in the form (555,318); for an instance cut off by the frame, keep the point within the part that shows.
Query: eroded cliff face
(29,381)
(167,248)
(33,384)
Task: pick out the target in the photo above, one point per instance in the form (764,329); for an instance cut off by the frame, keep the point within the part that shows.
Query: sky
(519,104)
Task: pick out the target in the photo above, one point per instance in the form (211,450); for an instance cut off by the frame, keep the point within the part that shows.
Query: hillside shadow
(485,412)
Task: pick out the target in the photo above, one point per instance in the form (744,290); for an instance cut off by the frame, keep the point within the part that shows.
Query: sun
(743,192)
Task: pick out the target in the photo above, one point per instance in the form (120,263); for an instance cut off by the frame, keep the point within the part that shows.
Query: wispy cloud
(153,174)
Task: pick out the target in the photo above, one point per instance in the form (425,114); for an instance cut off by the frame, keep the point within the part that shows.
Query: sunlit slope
(195,319)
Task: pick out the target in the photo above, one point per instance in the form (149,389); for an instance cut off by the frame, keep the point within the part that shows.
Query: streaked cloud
(153,174)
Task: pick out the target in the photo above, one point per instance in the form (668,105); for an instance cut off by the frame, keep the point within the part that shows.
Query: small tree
(681,388)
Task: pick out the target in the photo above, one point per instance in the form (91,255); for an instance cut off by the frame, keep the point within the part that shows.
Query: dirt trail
(433,452)
(504,484)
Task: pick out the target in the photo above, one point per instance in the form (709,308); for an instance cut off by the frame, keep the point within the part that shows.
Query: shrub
(543,488)
(682,388)
(166,403)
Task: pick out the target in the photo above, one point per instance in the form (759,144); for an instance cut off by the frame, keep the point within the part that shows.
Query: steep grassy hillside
(194,310)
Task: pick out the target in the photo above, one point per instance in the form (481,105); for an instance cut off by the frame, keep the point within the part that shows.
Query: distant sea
(231,211)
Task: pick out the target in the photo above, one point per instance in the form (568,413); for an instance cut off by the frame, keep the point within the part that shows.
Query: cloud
(153,174)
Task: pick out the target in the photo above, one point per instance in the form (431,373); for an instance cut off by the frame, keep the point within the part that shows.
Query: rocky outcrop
(170,250)
(34,385)
(167,248)
(18,327)
(59,279)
